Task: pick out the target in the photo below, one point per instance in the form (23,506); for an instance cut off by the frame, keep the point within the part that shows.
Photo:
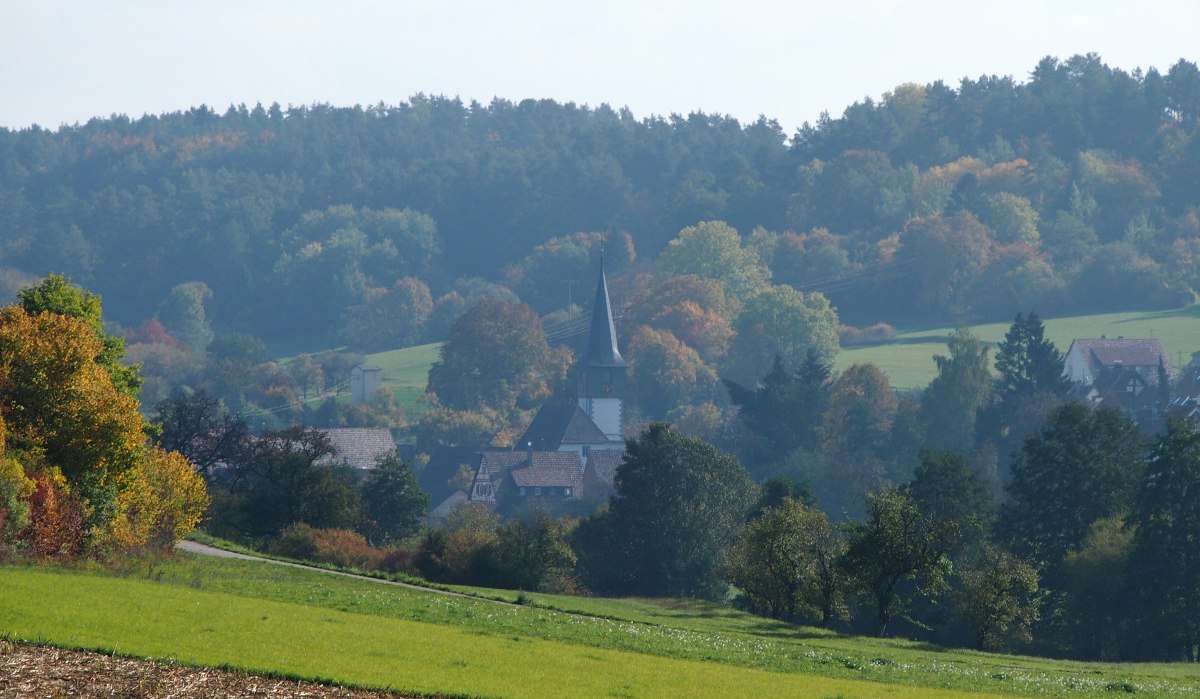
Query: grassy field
(306,624)
(406,372)
(908,361)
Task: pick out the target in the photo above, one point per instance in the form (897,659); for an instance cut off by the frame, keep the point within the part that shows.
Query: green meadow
(908,361)
(307,624)
(406,373)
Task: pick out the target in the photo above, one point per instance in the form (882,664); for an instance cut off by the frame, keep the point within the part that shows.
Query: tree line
(975,201)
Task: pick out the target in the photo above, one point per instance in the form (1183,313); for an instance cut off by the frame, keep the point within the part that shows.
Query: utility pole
(570,287)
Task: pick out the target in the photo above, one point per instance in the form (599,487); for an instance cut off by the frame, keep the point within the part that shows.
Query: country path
(206,550)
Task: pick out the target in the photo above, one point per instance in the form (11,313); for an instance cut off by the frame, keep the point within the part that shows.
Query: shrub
(56,518)
(15,490)
(297,541)
(339,547)
(876,334)
(400,560)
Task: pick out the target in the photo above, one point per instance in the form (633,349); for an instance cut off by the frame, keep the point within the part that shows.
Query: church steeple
(602,337)
(602,371)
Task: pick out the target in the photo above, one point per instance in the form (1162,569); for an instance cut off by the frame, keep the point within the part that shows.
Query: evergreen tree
(1080,468)
(1166,550)
(788,406)
(1028,362)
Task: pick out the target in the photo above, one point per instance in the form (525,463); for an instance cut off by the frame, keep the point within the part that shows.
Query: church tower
(602,371)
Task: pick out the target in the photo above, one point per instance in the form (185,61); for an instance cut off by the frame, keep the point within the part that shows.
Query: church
(570,451)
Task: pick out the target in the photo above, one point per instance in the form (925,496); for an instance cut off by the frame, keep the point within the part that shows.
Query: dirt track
(206,550)
(38,671)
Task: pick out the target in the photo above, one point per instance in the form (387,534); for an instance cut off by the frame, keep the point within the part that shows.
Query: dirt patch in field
(40,671)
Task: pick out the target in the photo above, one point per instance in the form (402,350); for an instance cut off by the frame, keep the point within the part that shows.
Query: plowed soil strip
(41,671)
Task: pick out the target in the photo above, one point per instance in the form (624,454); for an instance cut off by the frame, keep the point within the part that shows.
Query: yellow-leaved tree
(75,433)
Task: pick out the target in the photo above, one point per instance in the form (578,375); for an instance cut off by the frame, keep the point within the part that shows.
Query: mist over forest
(1074,190)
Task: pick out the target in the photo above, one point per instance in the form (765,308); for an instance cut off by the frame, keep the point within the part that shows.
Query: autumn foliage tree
(496,356)
(667,373)
(75,432)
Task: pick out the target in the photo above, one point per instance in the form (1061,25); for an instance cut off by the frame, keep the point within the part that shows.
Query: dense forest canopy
(1074,190)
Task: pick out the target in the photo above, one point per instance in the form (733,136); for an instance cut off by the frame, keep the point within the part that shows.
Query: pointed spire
(602,337)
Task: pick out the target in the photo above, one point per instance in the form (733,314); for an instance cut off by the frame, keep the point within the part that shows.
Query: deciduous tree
(393,500)
(496,356)
(962,386)
(286,476)
(389,318)
(854,437)
(897,542)
(55,294)
(678,507)
(62,404)
(183,314)
(786,562)
(666,374)
(201,428)
(1166,551)
(713,249)
(780,322)
(999,598)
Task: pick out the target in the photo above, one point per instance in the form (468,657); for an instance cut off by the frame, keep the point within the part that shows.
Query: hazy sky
(65,62)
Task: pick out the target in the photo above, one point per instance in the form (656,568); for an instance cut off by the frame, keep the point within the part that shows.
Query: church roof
(559,423)
(602,336)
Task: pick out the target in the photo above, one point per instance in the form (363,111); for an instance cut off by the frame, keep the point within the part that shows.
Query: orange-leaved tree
(76,433)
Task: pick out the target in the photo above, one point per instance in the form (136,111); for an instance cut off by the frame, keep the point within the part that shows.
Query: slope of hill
(1073,191)
(305,624)
(406,373)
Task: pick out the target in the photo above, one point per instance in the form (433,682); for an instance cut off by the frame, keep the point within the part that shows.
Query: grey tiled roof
(552,469)
(1106,352)
(603,464)
(360,447)
(560,423)
(496,465)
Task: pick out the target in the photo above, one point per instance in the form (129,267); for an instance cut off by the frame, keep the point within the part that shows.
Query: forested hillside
(994,506)
(1075,189)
